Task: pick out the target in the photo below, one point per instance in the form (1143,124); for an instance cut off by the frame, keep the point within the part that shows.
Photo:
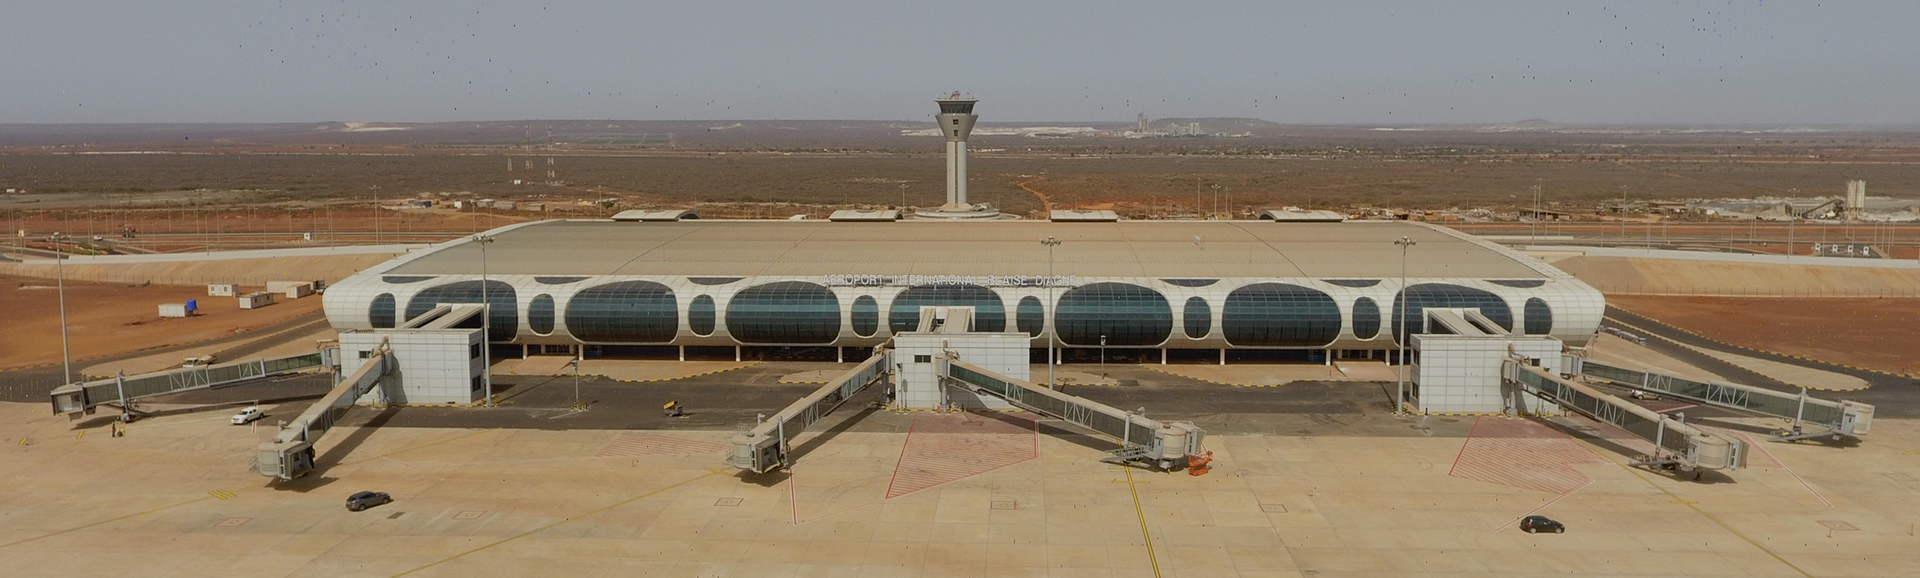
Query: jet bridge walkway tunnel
(1828,418)
(78,399)
(1163,445)
(291,454)
(1675,444)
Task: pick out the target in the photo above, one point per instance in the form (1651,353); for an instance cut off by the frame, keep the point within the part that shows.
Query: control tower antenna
(956,124)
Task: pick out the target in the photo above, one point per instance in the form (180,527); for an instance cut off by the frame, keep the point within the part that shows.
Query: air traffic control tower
(956,120)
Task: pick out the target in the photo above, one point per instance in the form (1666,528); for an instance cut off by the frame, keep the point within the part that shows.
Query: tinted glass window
(786,312)
(503,316)
(1029,316)
(1410,306)
(1279,315)
(1366,318)
(540,314)
(380,314)
(1128,315)
(700,316)
(989,315)
(1198,318)
(1539,317)
(866,316)
(1191,282)
(624,312)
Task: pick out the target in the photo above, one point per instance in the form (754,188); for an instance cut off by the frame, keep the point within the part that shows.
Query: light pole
(1103,357)
(577,406)
(1047,312)
(1535,237)
(1400,395)
(1216,201)
(486,322)
(60,273)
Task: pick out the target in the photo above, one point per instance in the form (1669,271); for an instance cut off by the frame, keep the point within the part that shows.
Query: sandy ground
(961,495)
(1630,276)
(111,319)
(1871,333)
(329,268)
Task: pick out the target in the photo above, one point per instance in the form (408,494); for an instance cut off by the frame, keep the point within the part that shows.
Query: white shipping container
(223,290)
(256,300)
(292,289)
(533,206)
(503,205)
(173,310)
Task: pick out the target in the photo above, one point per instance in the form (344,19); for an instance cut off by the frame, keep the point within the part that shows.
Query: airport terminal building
(1138,290)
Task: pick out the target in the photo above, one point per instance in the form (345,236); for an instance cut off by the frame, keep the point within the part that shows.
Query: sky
(1345,62)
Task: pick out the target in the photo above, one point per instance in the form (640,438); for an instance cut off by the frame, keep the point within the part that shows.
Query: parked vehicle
(248,415)
(364,500)
(1538,524)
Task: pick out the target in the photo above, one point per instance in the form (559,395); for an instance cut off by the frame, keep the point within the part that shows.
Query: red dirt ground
(1871,333)
(107,319)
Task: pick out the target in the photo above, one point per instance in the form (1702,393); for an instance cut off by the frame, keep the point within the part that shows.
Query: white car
(248,415)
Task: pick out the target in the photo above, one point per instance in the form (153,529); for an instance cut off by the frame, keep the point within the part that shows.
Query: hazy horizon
(1356,63)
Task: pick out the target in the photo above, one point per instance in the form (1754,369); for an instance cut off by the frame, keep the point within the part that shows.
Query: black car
(1538,524)
(364,500)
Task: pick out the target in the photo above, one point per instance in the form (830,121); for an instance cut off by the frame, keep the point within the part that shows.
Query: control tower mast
(956,124)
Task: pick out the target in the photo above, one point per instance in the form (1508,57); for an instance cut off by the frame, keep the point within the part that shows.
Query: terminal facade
(1140,290)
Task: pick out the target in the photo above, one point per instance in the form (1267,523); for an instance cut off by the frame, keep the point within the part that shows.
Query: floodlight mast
(1400,395)
(1048,312)
(486,321)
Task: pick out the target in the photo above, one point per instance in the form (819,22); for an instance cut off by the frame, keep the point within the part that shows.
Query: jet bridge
(1831,418)
(1676,444)
(1166,446)
(290,454)
(76,399)
(769,445)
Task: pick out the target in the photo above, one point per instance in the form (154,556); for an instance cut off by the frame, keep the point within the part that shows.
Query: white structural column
(956,172)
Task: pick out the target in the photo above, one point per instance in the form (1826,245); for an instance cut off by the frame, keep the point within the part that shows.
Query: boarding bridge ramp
(1827,418)
(290,454)
(1165,445)
(769,445)
(1676,444)
(78,399)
